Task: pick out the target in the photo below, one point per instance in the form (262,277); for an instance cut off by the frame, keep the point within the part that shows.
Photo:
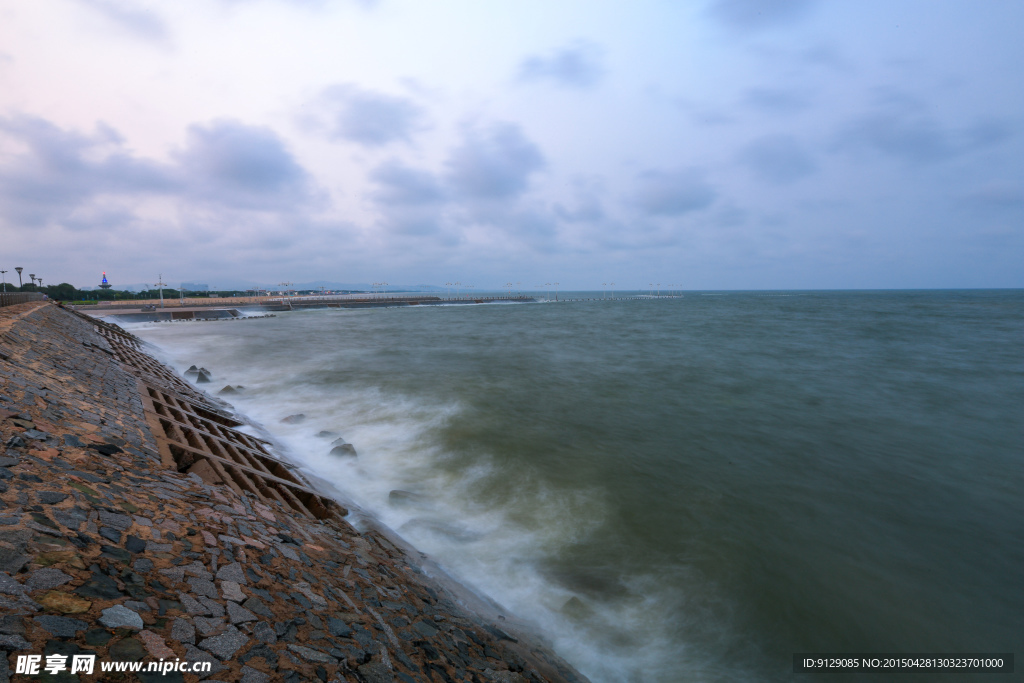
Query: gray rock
(111,534)
(175,574)
(35,435)
(251,675)
(345,449)
(191,605)
(120,616)
(183,631)
(259,607)
(118,521)
(12,626)
(214,607)
(311,655)
(375,672)
(42,579)
(64,627)
(13,642)
(142,521)
(203,587)
(72,518)
(226,644)
(9,586)
(232,591)
(143,565)
(50,497)
(264,632)
(232,572)
(208,626)
(193,654)
(339,628)
(197,569)
(12,560)
(238,614)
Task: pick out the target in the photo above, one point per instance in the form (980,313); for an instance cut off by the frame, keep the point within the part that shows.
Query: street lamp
(161,284)
(19,269)
(4,278)
(556,291)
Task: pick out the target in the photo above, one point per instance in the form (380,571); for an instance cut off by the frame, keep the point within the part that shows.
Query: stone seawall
(137,525)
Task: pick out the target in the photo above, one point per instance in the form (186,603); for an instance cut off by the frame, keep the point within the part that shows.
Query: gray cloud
(776,100)
(243,166)
(61,170)
(493,164)
(578,66)
(400,185)
(900,128)
(370,118)
(756,14)
(777,159)
(673,193)
(140,22)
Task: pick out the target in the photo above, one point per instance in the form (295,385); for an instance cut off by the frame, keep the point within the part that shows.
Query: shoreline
(138,523)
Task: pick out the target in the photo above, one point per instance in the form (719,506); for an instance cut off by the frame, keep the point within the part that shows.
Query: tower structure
(105,284)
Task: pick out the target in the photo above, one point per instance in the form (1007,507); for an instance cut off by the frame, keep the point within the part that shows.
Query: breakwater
(139,524)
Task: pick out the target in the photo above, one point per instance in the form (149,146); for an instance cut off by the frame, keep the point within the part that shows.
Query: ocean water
(677,489)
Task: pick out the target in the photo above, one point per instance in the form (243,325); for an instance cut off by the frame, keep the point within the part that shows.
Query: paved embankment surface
(104,550)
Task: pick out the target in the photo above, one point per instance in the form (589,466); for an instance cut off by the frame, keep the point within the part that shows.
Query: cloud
(578,66)
(756,14)
(775,100)
(60,170)
(142,23)
(673,193)
(901,129)
(400,185)
(777,159)
(243,166)
(493,164)
(370,118)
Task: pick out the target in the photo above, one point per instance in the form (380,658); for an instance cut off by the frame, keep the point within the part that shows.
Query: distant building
(195,287)
(105,284)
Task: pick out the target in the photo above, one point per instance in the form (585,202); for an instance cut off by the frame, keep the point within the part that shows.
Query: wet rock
(227,391)
(120,616)
(202,378)
(400,498)
(345,449)
(62,627)
(295,419)
(324,434)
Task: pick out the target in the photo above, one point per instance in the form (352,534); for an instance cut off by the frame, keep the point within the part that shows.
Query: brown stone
(65,603)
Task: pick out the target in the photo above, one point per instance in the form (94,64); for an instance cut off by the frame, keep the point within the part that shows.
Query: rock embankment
(106,548)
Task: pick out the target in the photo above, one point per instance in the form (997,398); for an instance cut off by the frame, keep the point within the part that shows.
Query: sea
(691,486)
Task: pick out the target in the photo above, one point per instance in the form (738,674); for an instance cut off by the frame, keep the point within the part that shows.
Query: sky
(709,144)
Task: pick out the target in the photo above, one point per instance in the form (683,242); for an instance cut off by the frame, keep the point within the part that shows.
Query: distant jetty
(139,525)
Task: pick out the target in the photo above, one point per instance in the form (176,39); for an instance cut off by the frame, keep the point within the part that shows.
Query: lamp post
(33,278)
(161,284)
(19,269)
(4,280)
(556,291)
